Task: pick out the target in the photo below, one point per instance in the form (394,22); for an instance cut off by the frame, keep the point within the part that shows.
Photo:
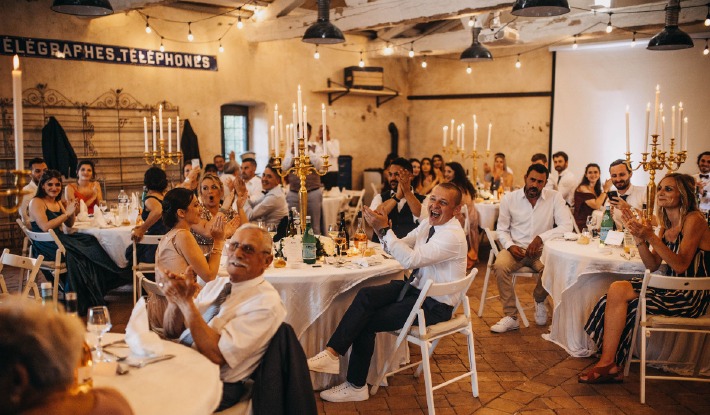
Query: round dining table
(187,384)
(113,239)
(488,211)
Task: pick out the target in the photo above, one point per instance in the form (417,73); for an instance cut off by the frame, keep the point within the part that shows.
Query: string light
(424,63)
(574,45)
(362,62)
(633,41)
(190,37)
(470,21)
(706,51)
(240,24)
(147,26)
(411,51)
(707,18)
(221,48)
(609,27)
(468,69)
(388,49)
(517,62)
(316,55)
(162,47)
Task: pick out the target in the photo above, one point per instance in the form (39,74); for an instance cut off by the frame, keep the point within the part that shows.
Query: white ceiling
(440,26)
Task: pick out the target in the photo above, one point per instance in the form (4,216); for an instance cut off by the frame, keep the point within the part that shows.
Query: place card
(614,238)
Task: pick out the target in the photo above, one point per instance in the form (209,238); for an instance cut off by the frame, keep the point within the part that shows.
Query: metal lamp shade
(540,8)
(670,38)
(323,32)
(83,7)
(476,52)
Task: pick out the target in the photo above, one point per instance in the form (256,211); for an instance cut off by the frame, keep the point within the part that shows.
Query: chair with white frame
(648,323)
(522,272)
(352,203)
(29,267)
(58,266)
(142,266)
(428,337)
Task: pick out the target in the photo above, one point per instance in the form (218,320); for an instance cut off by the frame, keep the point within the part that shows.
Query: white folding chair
(57,266)
(29,267)
(150,287)
(142,266)
(649,323)
(427,337)
(353,203)
(522,272)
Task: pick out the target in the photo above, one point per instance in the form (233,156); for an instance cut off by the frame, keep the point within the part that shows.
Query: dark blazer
(282,382)
(57,150)
(188,143)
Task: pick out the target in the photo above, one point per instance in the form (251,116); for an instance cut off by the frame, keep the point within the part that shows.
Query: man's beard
(560,169)
(623,185)
(532,192)
(394,184)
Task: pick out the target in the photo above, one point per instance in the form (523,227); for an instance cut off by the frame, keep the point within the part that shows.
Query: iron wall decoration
(95,52)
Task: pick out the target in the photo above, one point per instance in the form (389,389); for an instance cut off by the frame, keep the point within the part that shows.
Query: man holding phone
(626,194)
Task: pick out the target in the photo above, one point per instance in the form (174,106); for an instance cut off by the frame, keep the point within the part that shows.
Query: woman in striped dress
(683,243)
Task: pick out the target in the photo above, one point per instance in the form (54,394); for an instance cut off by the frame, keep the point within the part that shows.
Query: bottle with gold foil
(83,374)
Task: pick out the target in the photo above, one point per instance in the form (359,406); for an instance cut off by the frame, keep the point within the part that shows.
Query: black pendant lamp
(83,7)
(671,37)
(540,8)
(323,32)
(476,52)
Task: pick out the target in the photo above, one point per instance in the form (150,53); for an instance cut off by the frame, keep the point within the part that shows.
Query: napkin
(571,236)
(99,218)
(139,338)
(83,215)
(368,261)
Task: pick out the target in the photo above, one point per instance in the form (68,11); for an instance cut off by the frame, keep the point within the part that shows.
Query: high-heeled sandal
(599,375)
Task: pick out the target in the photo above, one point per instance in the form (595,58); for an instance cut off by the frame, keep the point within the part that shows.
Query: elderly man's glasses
(246,248)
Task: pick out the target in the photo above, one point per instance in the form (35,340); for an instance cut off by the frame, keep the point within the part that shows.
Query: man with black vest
(401,205)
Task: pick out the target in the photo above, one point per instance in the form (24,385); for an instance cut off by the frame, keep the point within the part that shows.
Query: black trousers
(374,310)
(231,394)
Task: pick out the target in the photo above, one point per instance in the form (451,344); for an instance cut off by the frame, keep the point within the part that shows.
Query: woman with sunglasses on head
(211,195)
(86,187)
(91,272)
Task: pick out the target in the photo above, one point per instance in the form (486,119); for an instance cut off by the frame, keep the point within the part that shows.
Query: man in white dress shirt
(436,249)
(563,180)
(232,320)
(272,207)
(702,180)
(630,196)
(525,223)
(541,158)
(37,169)
(252,181)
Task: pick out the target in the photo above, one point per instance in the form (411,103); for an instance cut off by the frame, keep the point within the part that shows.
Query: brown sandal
(599,375)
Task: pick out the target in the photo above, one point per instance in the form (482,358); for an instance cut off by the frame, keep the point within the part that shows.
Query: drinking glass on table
(272,229)
(342,242)
(103,206)
(592,225)
(98,322)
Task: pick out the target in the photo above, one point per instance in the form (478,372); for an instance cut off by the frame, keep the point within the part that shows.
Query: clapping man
(702,180)
(399,202)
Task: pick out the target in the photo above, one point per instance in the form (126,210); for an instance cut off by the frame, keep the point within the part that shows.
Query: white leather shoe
(324,362)
(507,323)
(540,313)
(345,392)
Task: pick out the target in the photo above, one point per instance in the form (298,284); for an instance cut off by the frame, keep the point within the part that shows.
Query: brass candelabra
(161,157)
(657,159)
(302,166)
(451,150)
(475,157)
(13,194)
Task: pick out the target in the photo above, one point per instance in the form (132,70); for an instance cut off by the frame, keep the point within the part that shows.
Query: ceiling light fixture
(83,7)
(147,25)
(671,37)
(706,51)
(240,24)
(540,8)
(609,27)
(162,47)
(362,62)
(517,63)
(468,69)
(470,21)
(388,49)
(475,52)
(424,63)
(633,41)
(411,50)
(221,48)
(323,31)
(707,17)
(316,55)
(190,37)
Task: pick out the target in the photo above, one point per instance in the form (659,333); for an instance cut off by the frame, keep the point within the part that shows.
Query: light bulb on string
(707,18)
(517,63)
(411,51)
(470,21)
(240,24)
(221,48)
(706,51)
(388,49)
(633,41)
(424,64)
(362,62)
(316,55)
(147,26)
(468,69)
(609,27)
(162,47)
(190,37)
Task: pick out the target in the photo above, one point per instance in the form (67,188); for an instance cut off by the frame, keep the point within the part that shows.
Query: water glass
(98,322)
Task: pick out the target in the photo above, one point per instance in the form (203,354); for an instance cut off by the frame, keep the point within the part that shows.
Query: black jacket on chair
(57,150)
(282,382)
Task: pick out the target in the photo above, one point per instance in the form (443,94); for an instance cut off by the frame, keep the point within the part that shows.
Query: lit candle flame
(16,63)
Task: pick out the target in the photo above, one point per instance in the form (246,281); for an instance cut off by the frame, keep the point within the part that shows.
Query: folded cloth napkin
(571,236)
(83,215)
(368,260)
(99,219)
(139,338)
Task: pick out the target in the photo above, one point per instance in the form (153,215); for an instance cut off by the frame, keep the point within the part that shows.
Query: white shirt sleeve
(503,228)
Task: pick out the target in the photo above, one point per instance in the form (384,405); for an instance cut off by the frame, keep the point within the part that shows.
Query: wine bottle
(607,224)
(45,291)
(344,229)
(291,223)
(360,237)
(309,243)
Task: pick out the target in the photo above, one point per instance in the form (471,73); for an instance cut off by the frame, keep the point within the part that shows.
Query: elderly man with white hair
(232,320)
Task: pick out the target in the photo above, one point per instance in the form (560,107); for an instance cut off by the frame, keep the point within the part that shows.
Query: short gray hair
(265,236)
(46,342)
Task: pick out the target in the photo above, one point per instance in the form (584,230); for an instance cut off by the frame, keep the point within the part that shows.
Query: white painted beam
(280,8)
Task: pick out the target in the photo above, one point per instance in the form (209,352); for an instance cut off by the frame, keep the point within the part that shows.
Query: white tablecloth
(317,298)
(576,276)
(187,384)
(487,214)
(114,240)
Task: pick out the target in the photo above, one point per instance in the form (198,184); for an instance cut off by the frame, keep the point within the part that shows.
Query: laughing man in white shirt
(526,221)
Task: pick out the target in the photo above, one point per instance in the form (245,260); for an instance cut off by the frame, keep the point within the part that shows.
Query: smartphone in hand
(613,195)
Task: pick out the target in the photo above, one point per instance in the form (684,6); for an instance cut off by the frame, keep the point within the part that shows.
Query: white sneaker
(507,323)
(345,392)
(324,362)
(540,313)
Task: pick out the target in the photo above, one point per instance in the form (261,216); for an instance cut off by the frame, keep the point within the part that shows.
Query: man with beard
(526,221)
(37,168)
(541,158)
(437,249)
(702,180)
(630,196)
(399,203)
(563,180)
(251,180)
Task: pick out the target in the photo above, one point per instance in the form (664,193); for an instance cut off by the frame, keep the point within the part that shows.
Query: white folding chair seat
(427,337)
(142,266)
(29,267)
(653,323)
(57,266)
(525,272)
(352,203)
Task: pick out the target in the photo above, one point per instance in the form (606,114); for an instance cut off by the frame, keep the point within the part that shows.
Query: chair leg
(519,306)
(3,287)
(418,372)
(485,284)
(427,377)
(472,361)
(644,333)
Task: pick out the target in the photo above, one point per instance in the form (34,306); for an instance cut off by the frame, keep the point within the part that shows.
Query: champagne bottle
(309,243)
(291,223)
(83,374)
(360,237)
(344,229)
(607,224)
(45,291)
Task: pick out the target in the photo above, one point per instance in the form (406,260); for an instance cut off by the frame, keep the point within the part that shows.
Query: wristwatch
(395,198)
(383,231)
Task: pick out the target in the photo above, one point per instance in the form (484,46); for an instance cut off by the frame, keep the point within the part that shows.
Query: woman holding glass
(91,271)
(500,175)
(683,243)
(86,187)
(589,195)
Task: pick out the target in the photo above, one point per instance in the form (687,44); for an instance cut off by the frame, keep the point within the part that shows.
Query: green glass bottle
(607,224)
(309,243)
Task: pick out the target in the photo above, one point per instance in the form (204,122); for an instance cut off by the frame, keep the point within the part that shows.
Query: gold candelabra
(475,157)
(301,167)
(451,150)
(14,193)
(161,157)
(657,159)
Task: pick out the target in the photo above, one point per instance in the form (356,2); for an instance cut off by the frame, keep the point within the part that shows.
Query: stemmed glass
(272,229)
(342,243)
(103,205)
(98,322)
(591,224)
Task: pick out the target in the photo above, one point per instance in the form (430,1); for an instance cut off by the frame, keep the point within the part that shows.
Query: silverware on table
(145,362)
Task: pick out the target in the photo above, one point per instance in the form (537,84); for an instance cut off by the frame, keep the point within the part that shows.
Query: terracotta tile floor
(518,373)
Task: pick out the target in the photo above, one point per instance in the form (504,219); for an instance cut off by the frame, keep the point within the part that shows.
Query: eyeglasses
(247,249)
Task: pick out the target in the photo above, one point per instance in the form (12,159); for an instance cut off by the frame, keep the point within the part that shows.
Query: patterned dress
(206,242)
(676,303)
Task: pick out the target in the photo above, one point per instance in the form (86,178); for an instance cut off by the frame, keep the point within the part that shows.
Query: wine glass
(333,231)
(272,229)
(103,205)
(591,224)
(98,322)
(342,243)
